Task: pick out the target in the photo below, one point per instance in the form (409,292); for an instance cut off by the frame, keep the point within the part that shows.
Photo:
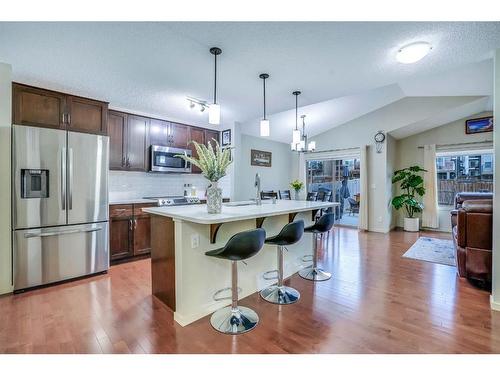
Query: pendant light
(214,109)
(296,133)
(264,123)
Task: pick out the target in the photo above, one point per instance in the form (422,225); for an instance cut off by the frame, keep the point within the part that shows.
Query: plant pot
(411,224)
(297,195)
(214,199)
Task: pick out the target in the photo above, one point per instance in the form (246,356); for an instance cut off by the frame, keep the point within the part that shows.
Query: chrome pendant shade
(264,123)
(214,109)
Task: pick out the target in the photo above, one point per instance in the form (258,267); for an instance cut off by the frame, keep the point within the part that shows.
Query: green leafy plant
(412,184)
(213,161)
(297,185)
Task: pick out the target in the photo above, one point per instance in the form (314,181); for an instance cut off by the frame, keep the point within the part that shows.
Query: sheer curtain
(363,189)
(430,215)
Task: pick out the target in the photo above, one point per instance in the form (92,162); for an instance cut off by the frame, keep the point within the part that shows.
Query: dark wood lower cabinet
(130,232)
(142,235)
(120,238)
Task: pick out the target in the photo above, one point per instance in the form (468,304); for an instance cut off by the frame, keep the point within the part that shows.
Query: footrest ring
(266,277)
(216,297)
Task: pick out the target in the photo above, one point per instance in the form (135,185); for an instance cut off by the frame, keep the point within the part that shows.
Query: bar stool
(279,293)
(236,319)
(324,224)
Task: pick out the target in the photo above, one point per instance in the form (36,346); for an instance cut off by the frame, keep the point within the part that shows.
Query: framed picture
(230,152)
(479,125)
(260,158)
(226,137)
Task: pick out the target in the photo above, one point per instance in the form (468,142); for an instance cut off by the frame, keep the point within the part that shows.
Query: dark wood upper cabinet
(34,106)
(85,115)
(197,135)
(37,107)
(136,142)
(210,135)
(117,130)
(180,135)
(159,133)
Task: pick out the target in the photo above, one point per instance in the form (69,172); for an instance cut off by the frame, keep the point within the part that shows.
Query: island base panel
(163,259)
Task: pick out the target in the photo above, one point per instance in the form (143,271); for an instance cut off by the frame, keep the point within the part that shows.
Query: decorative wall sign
(260,158)
(226,137)
(479,125)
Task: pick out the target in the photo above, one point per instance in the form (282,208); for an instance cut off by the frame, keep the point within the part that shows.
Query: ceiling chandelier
(214,109)
(264,123)
(299,140)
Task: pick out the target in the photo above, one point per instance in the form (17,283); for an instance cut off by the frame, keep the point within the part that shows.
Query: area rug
(432,250)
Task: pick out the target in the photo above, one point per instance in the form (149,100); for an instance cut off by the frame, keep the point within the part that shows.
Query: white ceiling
(151,67)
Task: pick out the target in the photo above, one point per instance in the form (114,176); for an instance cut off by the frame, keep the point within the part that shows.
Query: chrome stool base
(314,274)
(234,321)
(280,295)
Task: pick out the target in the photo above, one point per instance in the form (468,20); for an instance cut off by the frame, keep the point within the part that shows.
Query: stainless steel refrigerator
(60,205)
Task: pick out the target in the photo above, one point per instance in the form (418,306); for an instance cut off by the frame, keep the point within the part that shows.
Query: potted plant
(213,163)
(412,185)
(297,186)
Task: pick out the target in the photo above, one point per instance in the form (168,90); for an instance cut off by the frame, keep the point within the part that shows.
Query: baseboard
(494,305)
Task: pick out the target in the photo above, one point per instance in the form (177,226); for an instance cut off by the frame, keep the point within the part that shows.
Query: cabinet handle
(63,117)
(130,224)
(135,224)
(69,118)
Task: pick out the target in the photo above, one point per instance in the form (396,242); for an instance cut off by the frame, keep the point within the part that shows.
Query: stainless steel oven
(163,159)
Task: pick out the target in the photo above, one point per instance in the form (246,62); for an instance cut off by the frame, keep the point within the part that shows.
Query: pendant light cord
(264,98)
(215,80)
(296,111)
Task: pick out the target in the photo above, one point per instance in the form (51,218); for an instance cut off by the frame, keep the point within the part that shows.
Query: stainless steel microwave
(163,159)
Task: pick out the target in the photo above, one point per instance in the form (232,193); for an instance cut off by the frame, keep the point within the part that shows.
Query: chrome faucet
(258,201)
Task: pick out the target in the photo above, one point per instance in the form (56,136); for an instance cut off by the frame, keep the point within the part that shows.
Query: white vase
(297,195)
(412,224)
(214,198)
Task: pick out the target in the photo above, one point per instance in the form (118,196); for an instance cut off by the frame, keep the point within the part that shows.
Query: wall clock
(379,141)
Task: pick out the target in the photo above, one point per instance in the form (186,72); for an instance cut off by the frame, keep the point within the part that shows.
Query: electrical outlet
(195,241)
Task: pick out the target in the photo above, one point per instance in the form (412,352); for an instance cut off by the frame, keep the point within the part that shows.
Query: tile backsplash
(132,185)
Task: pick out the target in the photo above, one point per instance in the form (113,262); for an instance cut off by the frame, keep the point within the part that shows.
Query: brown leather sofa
(460,198)
(472,237)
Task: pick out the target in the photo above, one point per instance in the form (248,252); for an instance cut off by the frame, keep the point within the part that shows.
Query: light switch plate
(195,241)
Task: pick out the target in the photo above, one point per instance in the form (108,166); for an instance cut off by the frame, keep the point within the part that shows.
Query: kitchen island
(185,279)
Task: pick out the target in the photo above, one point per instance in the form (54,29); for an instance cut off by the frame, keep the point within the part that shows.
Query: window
(461,172)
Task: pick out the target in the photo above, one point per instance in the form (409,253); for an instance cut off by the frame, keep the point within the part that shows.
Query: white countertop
(198,213)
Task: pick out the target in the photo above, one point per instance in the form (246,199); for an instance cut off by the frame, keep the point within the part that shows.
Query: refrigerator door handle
(70,178)
(49,234)
(63,178)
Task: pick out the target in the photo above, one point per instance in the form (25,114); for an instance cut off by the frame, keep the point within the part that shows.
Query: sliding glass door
(336,179)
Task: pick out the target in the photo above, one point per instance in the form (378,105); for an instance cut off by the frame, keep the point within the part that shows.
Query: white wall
(361,131)
(5,180)
(409,154)
(277,177)
(495,296)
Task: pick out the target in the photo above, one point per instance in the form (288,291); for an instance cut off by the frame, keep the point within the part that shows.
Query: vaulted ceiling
(344,70)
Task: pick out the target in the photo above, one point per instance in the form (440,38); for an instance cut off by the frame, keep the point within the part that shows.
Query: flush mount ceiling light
(214,109)
(264,123)
(413,52)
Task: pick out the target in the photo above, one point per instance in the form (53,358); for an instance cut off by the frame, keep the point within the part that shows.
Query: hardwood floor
(376,302)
